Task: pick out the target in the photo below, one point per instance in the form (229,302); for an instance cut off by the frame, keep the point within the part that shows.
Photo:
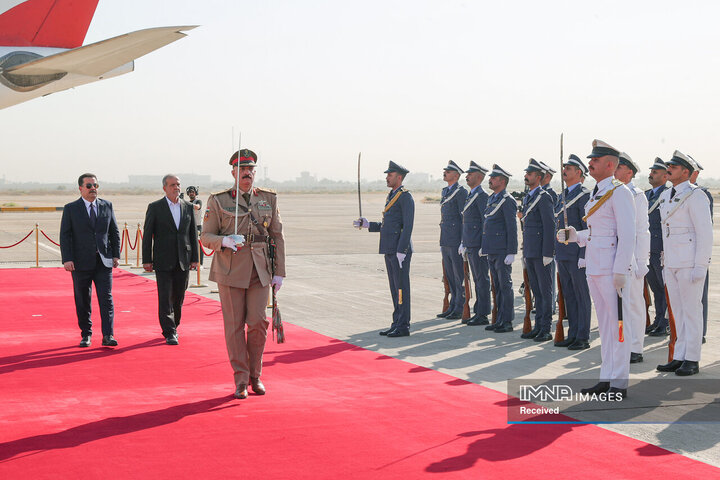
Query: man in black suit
(170,247)
(90,248)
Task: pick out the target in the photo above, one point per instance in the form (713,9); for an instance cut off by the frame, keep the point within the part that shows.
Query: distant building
(186,179)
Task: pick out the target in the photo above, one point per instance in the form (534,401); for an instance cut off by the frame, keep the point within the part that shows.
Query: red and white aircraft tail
(41,52)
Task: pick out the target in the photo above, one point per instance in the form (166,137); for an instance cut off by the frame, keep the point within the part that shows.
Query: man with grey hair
(170,247)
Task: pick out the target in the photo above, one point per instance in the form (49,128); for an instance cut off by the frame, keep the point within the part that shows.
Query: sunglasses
(91,185)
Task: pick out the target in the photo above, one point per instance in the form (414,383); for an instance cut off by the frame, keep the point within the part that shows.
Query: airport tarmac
(336,285)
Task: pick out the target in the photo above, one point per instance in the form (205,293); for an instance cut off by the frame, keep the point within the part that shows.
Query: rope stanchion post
(37,246)
(137,248)
(127,246)
(199,283)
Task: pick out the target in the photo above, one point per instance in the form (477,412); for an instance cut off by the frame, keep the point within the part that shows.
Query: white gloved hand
(641,271)
(547,261)
(581,263)
(509,259)
(461,249)
(400,257)
(277,282)
(228,242)
(619,281)
(481,254)
(698,273)
(571,237)
(361,222)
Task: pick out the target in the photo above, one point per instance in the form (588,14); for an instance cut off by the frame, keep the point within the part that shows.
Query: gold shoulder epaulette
(617,182)
(403,189)
(227,190)
(268,190)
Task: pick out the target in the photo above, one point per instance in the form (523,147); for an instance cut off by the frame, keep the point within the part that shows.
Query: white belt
(677,230)
(599,232)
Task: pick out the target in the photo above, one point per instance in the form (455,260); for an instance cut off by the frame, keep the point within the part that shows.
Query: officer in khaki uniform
(243,270)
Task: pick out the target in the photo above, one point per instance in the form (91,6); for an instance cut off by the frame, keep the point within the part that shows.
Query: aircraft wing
(101,57)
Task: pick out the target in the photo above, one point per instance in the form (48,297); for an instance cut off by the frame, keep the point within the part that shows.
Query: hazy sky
(311,83)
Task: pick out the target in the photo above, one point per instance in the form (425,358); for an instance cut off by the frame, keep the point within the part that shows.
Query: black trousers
(101,276)
(399,279)
(171,286)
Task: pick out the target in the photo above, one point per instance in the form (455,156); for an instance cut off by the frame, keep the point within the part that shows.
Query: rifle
(468,291)
(673,332)
(446,285)
(559,330)
(648,302)
(277,326)
(527,324)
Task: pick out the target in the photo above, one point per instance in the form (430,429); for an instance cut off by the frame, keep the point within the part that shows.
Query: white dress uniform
(687,239)
(633,299)
(610,246)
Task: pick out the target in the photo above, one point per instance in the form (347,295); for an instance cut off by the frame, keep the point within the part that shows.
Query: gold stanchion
(198,268)
(137,248)
(37,247)
(127,246)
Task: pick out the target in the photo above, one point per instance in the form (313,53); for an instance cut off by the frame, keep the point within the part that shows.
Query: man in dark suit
(170,247)
(90,249)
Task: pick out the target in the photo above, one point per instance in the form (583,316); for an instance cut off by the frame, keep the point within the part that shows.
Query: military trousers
(541,282)
(455,275)
(578,305)
(480,274)
(705,302)
(615,355)
(634,313)
(502,281)
(657,287)
(686,303)
(399,280)
(243,307)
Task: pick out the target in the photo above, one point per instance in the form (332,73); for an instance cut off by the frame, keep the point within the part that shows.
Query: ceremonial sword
(562,185)
(359,197)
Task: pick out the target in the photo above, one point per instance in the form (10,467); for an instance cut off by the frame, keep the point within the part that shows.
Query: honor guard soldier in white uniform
(243,272)
(609,243)
(499,243)
(571,258)
(451,207)
(633,298)
(473,218)
(687,241)
(693,180)
(538,249)
(658,179)
(395,231)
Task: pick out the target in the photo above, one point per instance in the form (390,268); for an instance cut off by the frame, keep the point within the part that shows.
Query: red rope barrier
(203,250)
(122,240)
(18,243)
(51,240)
(130,245)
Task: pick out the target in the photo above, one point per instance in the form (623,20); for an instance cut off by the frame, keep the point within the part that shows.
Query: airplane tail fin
(45,23)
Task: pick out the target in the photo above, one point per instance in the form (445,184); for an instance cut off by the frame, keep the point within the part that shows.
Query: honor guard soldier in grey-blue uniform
(538,249)
(658,179)
(610,245)
(472,233)
(451,224)
(395,231)
(571,257)
(545,183)
(687,241)
(499,243)
(693,180)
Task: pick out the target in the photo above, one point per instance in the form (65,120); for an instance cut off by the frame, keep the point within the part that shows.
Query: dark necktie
(595,190)
(246,196)
(672,193)
(93,216)
(567,192)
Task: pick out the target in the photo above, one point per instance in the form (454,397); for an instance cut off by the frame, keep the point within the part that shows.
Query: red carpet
(147,410)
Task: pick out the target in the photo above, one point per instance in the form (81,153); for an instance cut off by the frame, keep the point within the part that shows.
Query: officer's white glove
(522,262)
(581,263)
(571,235)
(547,261)
(361,222)
(698,273)
(461,249)
(641,271)
(400,257)
(228,242)
(277,282)
(481,254)
(509,259)
(619,282)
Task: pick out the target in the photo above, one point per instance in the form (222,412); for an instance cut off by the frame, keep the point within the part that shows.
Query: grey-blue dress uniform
(654,276)
(538,242)
(555,197)
(578,305)
(451,226)
(395,231)
(472,236)
(500,240)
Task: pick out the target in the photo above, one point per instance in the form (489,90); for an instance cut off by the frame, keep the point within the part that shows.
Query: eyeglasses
(91,185)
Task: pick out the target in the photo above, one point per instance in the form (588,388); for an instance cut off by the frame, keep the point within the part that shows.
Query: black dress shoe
(650,328)
(241,391)
(109,341)
(454,316)
(616,394)
(660,332)
(85,342)
(492,326)
(399,332)
(703,340)
(636,357)
(579,345)
(670,367)
(531,334)
(172,340)
(385,332)
(542,337)
(688,368)
(479,320)
(565,343)
(504,328)
(257,386)
(597,389)
(444,314)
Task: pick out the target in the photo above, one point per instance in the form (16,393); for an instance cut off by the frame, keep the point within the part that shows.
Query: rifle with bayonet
(525,287)
(559,329)
(468,291)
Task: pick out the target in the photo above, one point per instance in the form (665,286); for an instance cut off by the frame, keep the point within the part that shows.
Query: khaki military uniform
(244,277)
